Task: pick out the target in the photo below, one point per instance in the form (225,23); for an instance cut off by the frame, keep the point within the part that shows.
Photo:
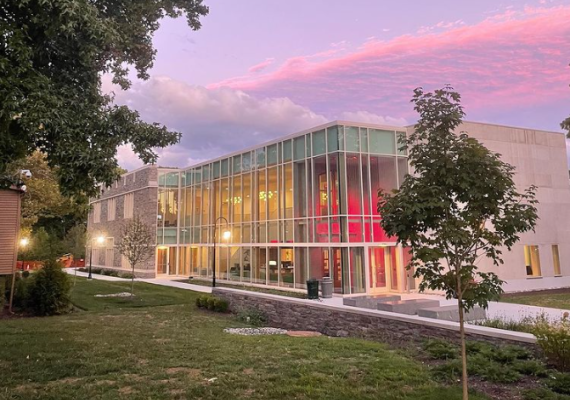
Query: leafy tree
(460,205)
(43,204)
(75,241)
(137,244)
(53,54)
(42,246)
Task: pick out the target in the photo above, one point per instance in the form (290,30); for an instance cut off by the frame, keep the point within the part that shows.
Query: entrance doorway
(383,269)
(166,261)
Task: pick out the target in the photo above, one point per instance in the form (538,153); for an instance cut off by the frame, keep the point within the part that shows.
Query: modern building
(304,206)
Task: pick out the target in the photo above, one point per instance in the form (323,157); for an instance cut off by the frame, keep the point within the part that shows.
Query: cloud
(510,61)
(261,66)
(214,122)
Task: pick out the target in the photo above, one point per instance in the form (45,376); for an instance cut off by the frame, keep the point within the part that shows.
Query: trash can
(327,287)
(312,289)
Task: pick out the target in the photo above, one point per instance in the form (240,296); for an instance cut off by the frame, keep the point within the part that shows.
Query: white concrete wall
(540,159)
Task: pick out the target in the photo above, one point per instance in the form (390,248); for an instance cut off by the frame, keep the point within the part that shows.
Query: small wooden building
(10,202)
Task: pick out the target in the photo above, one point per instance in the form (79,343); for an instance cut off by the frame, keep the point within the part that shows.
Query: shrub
(212,303)
(441,350)
(559,383)
(96,270)
(543,394)
(525,325)
(202,301)
(554,340)
(25,274)
(449,371)
(126,275)
(530,367)
(48,290)
(510,353)
(492,371)
(251,316)
(21,290)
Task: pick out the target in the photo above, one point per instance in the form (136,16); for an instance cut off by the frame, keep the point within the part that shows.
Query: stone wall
(341,321)
(143,184)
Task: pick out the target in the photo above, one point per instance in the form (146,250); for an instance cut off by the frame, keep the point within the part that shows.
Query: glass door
(171,261)
(162,260)
(377,269)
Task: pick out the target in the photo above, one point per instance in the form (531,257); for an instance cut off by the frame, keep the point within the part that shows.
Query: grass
(161,347)
(541,299)
(287,293)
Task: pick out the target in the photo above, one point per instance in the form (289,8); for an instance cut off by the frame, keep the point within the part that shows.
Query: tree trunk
(462,338)
(133,282)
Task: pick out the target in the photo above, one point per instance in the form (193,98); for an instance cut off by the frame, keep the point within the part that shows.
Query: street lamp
(23,244)
(226,235)
(99,240)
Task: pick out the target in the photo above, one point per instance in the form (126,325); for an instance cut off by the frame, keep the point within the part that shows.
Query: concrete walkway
(506,311)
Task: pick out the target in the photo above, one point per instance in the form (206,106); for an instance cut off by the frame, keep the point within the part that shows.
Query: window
(129,205)
(96,213)
(556,260)
(111,208)
(109,252)
(532,260)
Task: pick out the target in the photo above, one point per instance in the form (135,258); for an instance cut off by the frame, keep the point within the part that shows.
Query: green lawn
(541,299)
(161,346)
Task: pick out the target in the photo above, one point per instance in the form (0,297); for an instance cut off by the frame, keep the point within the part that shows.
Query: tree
(53,54)
(75,241)
(460,205)
(137,244)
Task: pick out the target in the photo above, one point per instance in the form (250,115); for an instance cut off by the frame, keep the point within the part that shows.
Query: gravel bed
(255,331)
(122,294)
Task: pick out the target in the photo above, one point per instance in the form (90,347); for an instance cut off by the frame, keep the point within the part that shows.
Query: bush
(543,394)
(490,370)
(525,325)
(251,316)
(212,303)
(441,350)
(25,274)
(559,383)
(126,275)
(554,340)
(48,290)
(449,371)
(530,367)
(96,270)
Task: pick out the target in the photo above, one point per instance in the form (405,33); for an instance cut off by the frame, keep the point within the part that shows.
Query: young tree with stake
(459,205)
(137,244)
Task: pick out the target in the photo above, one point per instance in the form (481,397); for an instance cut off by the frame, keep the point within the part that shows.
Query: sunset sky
(262,69)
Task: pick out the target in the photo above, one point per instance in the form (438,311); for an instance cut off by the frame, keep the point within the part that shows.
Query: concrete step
(409,307)
(451,313)
(369,301)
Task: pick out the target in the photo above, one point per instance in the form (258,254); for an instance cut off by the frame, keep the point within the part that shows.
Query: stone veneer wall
(396,329)
(143,183)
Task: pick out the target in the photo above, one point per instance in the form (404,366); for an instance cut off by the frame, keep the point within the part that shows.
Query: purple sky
(258,70)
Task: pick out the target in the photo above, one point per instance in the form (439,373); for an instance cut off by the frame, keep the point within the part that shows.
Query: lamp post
(23,244)
(226,235)
(100,240)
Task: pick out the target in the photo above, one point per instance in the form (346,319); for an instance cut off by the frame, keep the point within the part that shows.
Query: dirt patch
(304,333)
(248,371)
(126,390)
(105,382)
(69,380)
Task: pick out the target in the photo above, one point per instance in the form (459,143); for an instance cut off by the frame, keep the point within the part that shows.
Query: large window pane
(205,204)
(262,195)
(300,189)
(352,138)
(222,260)
(382,142)
(237,199)
(322,230)
(288,231)
(333,188)
(246,162)
(235,264)
(556,260)
(300,267)
(225,169)
(366,200)
(216,170)
(225,197)
(288,190)
(247,203)
(321,192)
(246,264)
(532,260)
(319,143)
(355,230)
(287,151)
(401,138)
(272,193)
(273,266)
(382,176)
(299,148)
(272,154)
(273,232)
(260,157)
(259,265)
(319,262)
(357,277)
(402,170)
(301,231)
(353,184)
(332,138)
(286,267)
(364,140)
(236,162)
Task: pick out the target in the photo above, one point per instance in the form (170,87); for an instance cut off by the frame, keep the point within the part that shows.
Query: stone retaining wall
(341,321)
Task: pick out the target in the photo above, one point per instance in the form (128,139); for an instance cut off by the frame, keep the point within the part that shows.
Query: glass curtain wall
(319,188)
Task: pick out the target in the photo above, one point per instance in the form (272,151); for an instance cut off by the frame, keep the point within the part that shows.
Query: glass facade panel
(332,138)
(319,143)
(357,277)
(402,170)
(556,260)
(352,138)
(300,185)
(262,194)
(237,199)
(364,140)
(235,264)
(321,191)
(272,193)
(246,197)
(246,264)
(288,191)
(300,267)
(287,267)
(353,180)
(272,154)
(299,148)
(273,266)
(532,260)
(319,262)
(402,148)
(382,142)
(287,151)
(260,157)
(246,162)
(225,168)
(236,164)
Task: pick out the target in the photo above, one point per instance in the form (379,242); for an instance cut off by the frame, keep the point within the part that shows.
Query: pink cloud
(514,59)
(261,66)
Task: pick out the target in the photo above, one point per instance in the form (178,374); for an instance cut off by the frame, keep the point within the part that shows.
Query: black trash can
(312,289)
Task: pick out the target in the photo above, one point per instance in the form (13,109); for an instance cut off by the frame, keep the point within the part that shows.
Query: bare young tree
(136,245)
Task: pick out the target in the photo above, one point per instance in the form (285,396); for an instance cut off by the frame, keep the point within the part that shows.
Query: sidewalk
(507,311)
